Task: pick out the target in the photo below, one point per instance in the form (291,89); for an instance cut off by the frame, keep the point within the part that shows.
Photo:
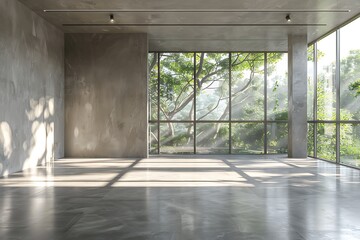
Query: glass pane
(176,86)
(212,83)
(212,138)
(247,90)
(326,92)
(153,85)
(310,83)
(247,138)
(326,141)
(350,71)
(277,137)
(153,138)
(277,86)
(310,140)
(176,138)
(350,144)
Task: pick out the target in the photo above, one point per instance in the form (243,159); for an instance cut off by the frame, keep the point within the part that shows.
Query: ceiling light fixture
(112,20)
(288,19)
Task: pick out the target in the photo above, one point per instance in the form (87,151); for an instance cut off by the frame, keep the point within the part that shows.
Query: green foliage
(277,83)
(310,140)
(350,83)
(326,141)
(310,53)
(177,140)
(212,86)
(350,144)
(355,86)
(326,99)
(326,132)
(277,137)
(176,72)
(247,80)
(248,138)
(153,84)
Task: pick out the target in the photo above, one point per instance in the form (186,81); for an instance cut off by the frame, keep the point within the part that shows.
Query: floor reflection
(202,197)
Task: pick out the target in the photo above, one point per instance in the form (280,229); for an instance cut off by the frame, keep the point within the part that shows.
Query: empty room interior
(180,120)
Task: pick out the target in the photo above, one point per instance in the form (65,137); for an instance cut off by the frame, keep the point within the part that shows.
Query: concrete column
(297,55)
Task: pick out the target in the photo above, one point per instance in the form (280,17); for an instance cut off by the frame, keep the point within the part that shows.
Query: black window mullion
(158,103)
(194,118)
(230,106)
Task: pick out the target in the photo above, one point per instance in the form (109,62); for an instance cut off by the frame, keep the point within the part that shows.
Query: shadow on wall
(38,145)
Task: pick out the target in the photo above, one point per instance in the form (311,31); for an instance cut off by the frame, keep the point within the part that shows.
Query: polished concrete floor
(172,198)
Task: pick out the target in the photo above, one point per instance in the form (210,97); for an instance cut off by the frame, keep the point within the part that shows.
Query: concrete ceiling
(263,28)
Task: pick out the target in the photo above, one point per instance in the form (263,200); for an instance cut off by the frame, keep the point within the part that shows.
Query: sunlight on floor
(214,171)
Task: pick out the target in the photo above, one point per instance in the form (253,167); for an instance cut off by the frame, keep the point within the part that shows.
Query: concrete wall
(31,89)
(106,95)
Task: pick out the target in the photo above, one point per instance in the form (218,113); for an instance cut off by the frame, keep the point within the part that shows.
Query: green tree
(355,86)
(212,93)
(349,109)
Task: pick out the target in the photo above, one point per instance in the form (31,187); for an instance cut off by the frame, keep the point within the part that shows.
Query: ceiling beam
(200,10)
(194,25)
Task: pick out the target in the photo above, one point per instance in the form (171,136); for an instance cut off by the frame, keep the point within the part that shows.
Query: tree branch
(153,62)
(182,106)
(210,111)
(181,92)
(200,65)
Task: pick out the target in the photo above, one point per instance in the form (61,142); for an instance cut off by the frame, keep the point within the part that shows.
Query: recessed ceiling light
(112,20)
(288,19)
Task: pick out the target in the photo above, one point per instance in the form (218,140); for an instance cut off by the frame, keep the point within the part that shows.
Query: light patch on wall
(76,132)
(49,110)
(51,106)
(37,108)
(5,173)
(6,139)
(88,107)
(25,146)
(91,146)
(37,145)
(50,139)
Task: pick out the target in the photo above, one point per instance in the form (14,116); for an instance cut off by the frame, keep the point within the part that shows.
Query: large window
(326,80)
(334,116)
(218,103)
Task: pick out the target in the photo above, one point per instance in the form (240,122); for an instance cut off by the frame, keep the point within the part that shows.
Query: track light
(288,19)
(112,20)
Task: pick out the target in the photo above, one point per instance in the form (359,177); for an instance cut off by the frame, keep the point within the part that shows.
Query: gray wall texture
(106,95)
(31,89)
